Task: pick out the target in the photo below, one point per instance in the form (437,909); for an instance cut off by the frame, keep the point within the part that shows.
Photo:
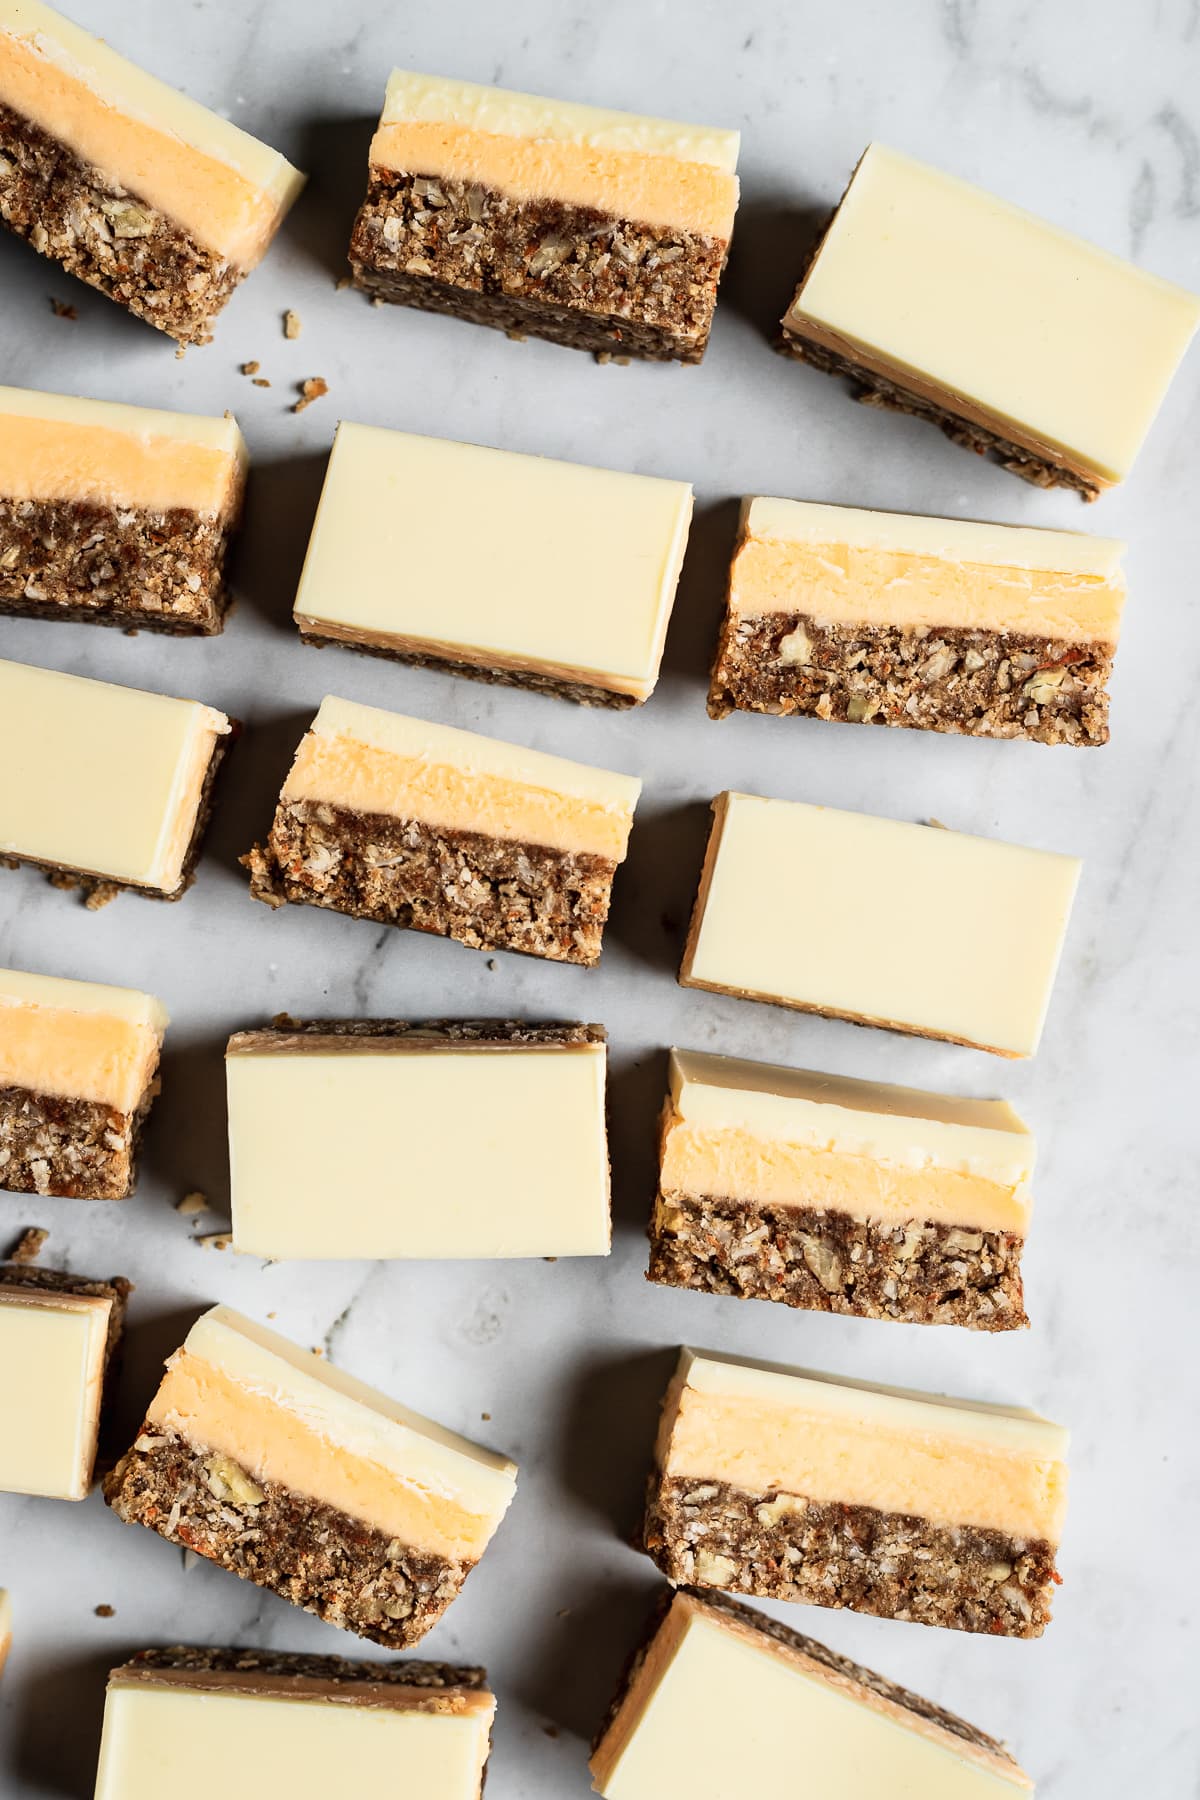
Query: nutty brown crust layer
(582,692)
(486,892)
(109,565)
(570,274)
(288,1033)
(311,1554)
(826,1261)
(973,683)
(189,1660)
(73,1149)
(895,1566)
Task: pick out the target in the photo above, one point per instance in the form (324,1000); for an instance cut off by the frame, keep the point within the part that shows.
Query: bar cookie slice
(599,230)
(502,1123)
(391,570)
(815,1722)
(880,922)
(60,1336)
(144,194)
(116,515)
(844,1196)
(795,1486)
(291,1474)
(105,787)
(434,829)
(942,624)
(263,1721)
(78,1073)
(1022,342)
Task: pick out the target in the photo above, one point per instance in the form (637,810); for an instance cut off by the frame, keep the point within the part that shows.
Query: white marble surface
(1088,115)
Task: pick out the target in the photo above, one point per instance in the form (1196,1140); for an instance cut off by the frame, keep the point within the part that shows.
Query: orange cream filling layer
(820,1440)
(223,187)
(649,171)
(460,782)
(78,1055)
(53,447)
(960,576)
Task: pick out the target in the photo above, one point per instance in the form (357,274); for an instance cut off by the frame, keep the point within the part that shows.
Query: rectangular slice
(841,1196)
(137,190)
(796,1486)
(78,1073)
(116,515)
(880,922)
(263,1721)
(105,787)
(513,598)
(600,230)
(1018,339)
(942,624)
(720,1700)
(291,1474)
(433,829)
(505,1147)
(59,1337)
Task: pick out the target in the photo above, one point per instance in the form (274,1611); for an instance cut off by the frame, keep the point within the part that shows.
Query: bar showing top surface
(54,1346)
(995,315)
(880,922)
(475,559)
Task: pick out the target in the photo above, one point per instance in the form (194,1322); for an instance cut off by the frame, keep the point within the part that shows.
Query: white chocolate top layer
(101,778)
(861,1118)
(459,551)
(52,1354)
(20,988)
(1036,327)
(889,923)
(505,1152)
(144,422)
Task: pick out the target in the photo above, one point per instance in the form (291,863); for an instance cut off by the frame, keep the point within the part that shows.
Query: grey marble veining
(1087,115)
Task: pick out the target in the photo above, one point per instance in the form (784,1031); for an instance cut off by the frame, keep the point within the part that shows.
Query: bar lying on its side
(116,515)
(291,1474)
(796,1486)
(104,787)
(719,1700)
(434,829)
(880,922)
(841,1196)
(1019,340)
(942,624)
(600,230)
(506,568)
(59,1338)
(137,190)
(264,1721)
(78,1072)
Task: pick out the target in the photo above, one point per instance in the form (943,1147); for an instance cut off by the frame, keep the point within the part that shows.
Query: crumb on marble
(62,309)
(251,368)
(214,1240)
(291,324)
(105,1612)
(315,388)
(28,1246)
(195,1202)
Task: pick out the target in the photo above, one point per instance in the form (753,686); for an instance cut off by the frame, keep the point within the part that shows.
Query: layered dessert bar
(391,570)
(117,515)
(841,1196)
(599,230)
(502,1123)
(1022,342)
(942,624)
(799,1487)
(263,1721)
(137,190)
(78,1073)
(5,1627)
(434,829)
(59,1338)
(291,1474)
(105,787)
(813,1723)
(909,927)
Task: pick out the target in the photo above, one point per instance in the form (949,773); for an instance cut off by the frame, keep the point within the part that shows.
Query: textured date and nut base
(160,571)
(486,892)
(99,232)
(827,1261)
(320,1559)
(973,683)
(896,1566)
(284,1031)
(542,268)
(584,693)
(268,1665)
(74,1149)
